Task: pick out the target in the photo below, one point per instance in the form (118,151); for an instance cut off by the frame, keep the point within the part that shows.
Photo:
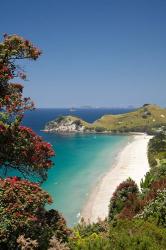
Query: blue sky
(95,52)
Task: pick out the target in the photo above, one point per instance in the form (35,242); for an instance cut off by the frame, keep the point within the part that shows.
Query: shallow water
(80,161)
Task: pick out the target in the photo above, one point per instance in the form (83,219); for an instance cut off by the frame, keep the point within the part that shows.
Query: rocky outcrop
(65,124)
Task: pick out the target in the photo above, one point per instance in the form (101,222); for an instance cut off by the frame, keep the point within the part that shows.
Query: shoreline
(131,162)
(90,132)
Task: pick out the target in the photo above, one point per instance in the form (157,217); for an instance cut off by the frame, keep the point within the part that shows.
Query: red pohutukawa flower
(25,151)
(18,47)
(22,211)
(20,147)
(21,200)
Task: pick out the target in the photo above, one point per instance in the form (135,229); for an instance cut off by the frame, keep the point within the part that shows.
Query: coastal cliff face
(65,124)
(149,118)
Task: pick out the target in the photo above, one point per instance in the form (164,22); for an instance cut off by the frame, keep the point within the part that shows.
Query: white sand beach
(131,162)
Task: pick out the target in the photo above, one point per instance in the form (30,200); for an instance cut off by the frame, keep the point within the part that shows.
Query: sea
(81,160)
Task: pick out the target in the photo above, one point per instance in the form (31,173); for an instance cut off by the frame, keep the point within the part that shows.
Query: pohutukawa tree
(22,202)
(23,213)
(20,147)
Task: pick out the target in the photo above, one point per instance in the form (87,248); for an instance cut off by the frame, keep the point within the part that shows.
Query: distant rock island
(148,118)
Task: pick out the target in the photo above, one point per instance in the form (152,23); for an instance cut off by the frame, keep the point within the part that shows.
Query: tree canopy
(20,147)
(24,221)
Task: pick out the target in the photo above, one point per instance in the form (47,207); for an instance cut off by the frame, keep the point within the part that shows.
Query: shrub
(152,192)
(60,119)
(123,235)
(144,116)
(124,201)
(137,235)
(146,104)
(77,122)
(86,229)
(153,175)
(99,129)
(156,149)
(91,242)
(156,209)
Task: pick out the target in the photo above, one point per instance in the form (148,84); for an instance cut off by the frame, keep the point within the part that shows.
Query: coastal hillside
(147,118)
(142,119)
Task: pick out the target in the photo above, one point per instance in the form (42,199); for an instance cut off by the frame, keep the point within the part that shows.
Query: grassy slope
(136,119)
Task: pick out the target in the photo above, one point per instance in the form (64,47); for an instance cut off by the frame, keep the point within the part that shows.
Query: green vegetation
(144,119)
(135,234)
(100,129)
(157,150)
(124,202)
(156,209)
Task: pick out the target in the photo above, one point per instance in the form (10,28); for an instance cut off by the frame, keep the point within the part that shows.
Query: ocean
(80,162)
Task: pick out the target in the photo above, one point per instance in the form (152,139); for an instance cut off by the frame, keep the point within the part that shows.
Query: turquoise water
(80,162)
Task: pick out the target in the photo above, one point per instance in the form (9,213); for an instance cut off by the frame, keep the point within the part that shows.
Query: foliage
(86,229)
(14,48)
(77,123)
(156,209)
(22,210)
(99,129)
(154,188)
(157,149)
(23,150)
(137,235)
(91,242)
(123,235)
(146,182)
(154,174)
(20,147)
(86,235)
(54,244)
(20,204)
(124,201)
